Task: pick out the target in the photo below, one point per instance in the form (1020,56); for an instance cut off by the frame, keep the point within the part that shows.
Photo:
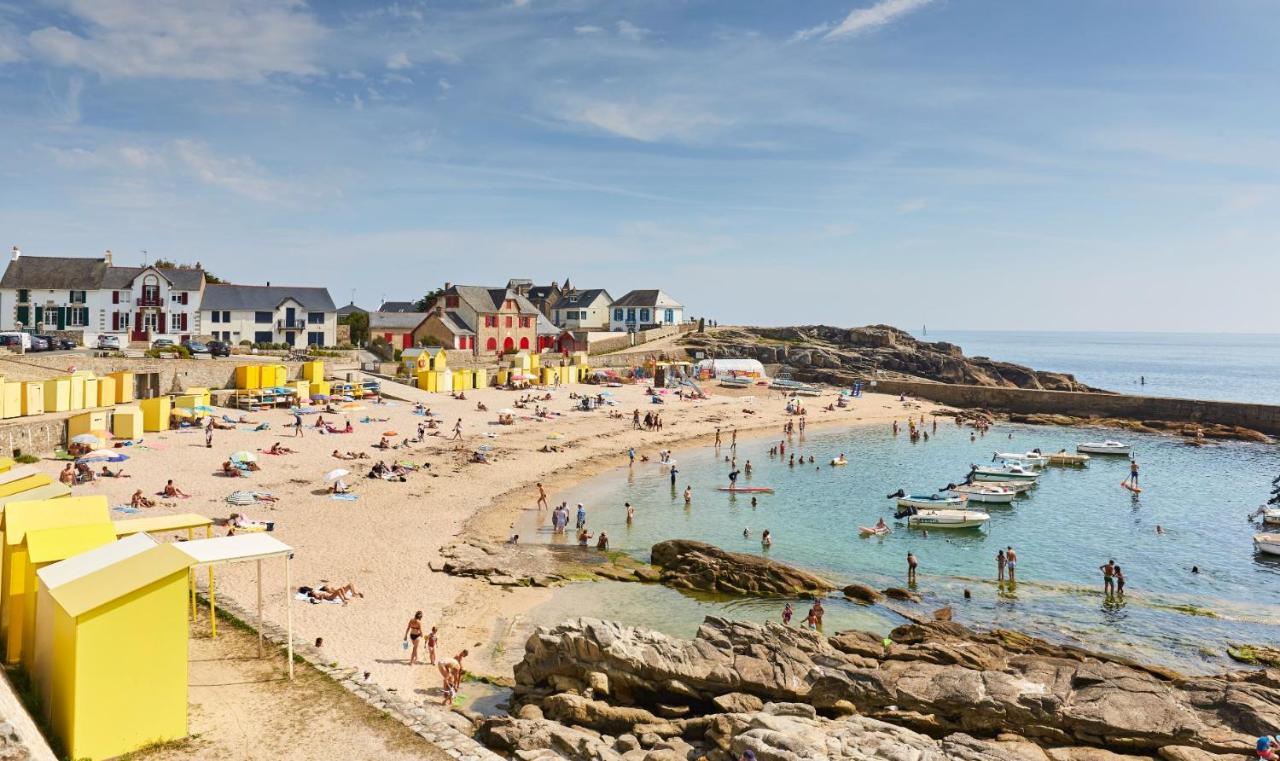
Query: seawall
(1260,417)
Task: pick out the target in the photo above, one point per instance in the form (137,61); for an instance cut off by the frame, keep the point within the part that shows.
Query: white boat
(733,381)
(1017,487)
(1035,459)
(1270,515)
(1007,473)
(980,492)
(928,501)
(1105,447)
(1268,544)
(947,519)
(785,383)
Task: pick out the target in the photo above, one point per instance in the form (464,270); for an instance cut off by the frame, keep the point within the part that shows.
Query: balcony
(149,301)
(294,324)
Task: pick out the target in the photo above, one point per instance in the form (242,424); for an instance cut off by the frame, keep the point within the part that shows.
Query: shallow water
(1067,526)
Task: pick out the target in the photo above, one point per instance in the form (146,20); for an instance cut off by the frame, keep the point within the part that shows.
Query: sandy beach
(383,540)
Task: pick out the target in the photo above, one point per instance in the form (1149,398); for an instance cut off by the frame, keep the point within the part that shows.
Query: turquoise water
(1222,366)
(1063,530)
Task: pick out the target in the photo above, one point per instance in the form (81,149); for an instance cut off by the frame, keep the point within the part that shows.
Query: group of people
(652,421)
(813,620)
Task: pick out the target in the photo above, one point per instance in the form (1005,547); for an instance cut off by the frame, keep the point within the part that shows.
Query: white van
(12,339)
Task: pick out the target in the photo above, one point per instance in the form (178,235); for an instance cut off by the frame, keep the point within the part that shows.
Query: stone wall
(20,740)
(39,435)
(1260,417)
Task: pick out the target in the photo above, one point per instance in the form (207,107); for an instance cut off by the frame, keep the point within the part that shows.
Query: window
(508,321)
(451,302)
(175,297)
(671,315)
(262,337)
(644,315)
(226,316)
(262,318)
(125,296)
(78,317)
(78,297)
(631,314)
(24,295)
(215,316)
(526,322)
(617,315)
(315,318)
(315,338)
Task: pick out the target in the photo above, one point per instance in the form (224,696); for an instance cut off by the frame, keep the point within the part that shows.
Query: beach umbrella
(243,456)
(182,412)
(86,438)
(390,433)
(335,474)
(202,408)
(320,397)
(242,498)
(506,411)
(102,457)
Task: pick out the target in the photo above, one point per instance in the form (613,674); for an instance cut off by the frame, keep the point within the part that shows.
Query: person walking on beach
(1001,560)
(431,645)
(631,455)
(542,497)
(1011,558)
(911,568)
(297,424)
(413,631)
(457,430)
(208,433)
(635,419)
(717,438)
(1108,577)
(733,442)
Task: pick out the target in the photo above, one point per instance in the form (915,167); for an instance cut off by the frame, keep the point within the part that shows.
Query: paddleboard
(747,489)
(1131,487)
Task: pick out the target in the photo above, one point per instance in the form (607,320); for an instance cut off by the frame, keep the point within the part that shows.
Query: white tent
(238,549)
(719,368)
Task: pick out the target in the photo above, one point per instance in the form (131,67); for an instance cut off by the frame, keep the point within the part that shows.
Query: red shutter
(184,300)
(137,320)
(160,324)
(115,320)
(115,297)
(184,314)
(406,341)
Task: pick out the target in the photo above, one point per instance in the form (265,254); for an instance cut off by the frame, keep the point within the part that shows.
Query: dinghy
(1007,473)
(980,492)
(927,501)
(1105,447)
(1268,544)
(737,382)
(1035,459)
(1018,487)
(947,519)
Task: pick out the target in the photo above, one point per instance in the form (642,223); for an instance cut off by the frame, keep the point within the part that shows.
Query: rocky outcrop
(1195,433)
(840,355)
(687,564)
(937,678)
(507,565)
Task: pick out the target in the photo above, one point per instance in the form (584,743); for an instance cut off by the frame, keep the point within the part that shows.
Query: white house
(642,310)
(93,297)
(269,314)
(586,309)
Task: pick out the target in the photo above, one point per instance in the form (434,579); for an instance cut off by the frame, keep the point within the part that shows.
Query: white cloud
(913,205)
(587,29)
(399,60)
(648,123)
(8,47)
(520,3)
(212,39)
(240,175)
(444,84)
(631,31)
(862,19)
(447,56)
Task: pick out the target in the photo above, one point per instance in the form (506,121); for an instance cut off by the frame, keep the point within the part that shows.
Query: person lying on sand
(277,449)
(221,426)
(230,470)
(106,473)
(171,490)
(327,593)
(140,501)
(238,522)
(481,408)
(383,443)
(84,473)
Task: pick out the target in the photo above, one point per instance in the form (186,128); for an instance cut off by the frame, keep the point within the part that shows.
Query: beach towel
(345,497)
(304,598)
(262,426)
(126,509)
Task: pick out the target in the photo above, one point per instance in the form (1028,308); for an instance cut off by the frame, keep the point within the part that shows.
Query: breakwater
(1260,417)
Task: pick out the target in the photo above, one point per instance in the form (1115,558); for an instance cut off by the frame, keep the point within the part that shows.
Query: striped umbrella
(243,456)
(102,457)
(242,498)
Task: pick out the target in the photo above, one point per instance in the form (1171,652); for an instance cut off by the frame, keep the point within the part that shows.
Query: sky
(977,164)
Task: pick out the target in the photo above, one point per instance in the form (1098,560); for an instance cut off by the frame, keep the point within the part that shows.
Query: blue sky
(960,163)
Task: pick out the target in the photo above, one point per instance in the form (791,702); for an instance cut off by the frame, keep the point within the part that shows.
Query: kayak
(747,489)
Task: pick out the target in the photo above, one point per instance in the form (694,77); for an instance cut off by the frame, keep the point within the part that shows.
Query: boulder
(862,593)
(737,702)
(898,593)
(687,564)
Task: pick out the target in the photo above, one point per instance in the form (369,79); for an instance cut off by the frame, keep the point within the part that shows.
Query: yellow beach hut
(119,658)
(47,546)
(32,515)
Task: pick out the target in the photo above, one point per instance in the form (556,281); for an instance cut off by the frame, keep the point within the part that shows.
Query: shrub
(26,459)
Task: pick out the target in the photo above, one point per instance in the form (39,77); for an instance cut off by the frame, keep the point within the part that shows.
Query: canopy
(721,367)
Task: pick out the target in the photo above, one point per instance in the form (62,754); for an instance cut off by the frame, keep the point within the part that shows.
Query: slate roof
(454,322)
(489,300)
(581,297)
(646,298)
(68,273)
(397,306)
(395,320)
(351,309)
(264,298)
(546,327)
(542,292)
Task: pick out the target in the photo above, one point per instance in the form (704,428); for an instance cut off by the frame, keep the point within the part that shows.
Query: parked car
(39,343)
(15,339)
(109,342)
(219,349)
(162,343)
(196,347)
(66,344)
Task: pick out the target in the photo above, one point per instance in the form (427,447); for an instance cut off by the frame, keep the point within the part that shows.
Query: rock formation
(938,679)
(687,564)
(840,355)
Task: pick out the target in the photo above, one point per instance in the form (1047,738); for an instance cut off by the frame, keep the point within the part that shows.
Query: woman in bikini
(413,632)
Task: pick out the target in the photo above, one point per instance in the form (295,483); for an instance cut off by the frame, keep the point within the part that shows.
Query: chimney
(199,266)
(16,254)
(107,259)
(447,284)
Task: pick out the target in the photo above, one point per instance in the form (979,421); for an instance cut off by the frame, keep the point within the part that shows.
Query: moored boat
(1268,544)
(1007,473)
(1018,487)
(1066,458)
(1105,447)
(928,501)
(947,519)
(733,381)
(980,492)
(1270,515)
(786,384)
(1023,458)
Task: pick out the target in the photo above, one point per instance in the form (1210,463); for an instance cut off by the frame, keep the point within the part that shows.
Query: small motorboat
(1018,487)
(1268,544)
(746,489)
(1105,447)
(927,501)
(1032,459)
(1066,458)
(947,519)
(841,460)
(734,381)
(1006,473)
(1269,515)
(980,492)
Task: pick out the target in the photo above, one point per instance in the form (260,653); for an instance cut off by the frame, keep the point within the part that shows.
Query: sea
(1194,588)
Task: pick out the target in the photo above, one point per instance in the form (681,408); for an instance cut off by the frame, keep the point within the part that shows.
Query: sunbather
(68,475)
(325,593)
(383,443)
(84,473)
(238,522)
(171,490)
(277,449)
(340,487)
(230,470)
(106,473)
(340,456)
(140,501)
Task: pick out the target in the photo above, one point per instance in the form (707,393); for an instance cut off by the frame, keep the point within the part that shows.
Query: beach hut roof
(94,560)
(93,590)
(18,473)
(21,517)
(127,526)
(49,545)
(48,491)
(232,549)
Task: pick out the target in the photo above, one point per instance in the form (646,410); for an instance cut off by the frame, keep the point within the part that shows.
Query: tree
(423,304)
(166,264)
(359,322)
